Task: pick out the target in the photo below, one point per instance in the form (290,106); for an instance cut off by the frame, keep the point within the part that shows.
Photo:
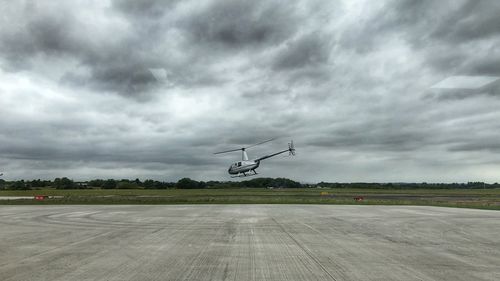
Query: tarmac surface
(248,242)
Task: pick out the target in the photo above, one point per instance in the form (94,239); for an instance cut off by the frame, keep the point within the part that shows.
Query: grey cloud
(487,64)
(36,36)
(308,50)
(487,145)
(102,148)
(491,89)
(473,20)
(51,34)
(241,24)
(451,21)
(388,134)
(125,79)
(145,8)
(371,140)
(446,59)
(453,35)
(461,35)
(118,62)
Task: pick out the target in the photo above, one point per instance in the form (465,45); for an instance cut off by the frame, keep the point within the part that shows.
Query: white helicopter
(241,168)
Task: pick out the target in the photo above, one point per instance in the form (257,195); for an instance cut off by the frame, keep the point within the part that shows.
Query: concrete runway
(248,242)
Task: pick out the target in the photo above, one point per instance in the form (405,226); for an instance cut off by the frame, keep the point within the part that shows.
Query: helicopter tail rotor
(291,148)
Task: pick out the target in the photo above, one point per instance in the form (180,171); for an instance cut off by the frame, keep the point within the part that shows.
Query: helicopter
(241,168)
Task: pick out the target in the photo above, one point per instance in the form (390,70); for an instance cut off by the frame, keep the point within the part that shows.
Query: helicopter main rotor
(244,155)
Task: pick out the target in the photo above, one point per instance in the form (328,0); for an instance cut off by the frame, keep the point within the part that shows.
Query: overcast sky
(368,90)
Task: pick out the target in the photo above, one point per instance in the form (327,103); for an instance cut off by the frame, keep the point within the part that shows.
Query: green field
(468,198)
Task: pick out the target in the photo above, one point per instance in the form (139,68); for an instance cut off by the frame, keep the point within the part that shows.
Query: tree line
(184,183)
(187,183)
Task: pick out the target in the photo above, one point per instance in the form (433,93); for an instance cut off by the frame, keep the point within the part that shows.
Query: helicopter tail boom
(290,150)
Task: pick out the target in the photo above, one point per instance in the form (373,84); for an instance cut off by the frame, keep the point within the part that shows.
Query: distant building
(82,184)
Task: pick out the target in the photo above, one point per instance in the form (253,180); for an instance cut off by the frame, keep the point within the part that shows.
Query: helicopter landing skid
(242,175)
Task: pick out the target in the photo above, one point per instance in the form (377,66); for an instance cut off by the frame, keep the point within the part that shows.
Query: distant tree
(202,184)
(165,185)
(56,183)
(37,183)
(286,183)
(46,183)
(109,184)
(67,183)
(270,182)
(126,185)
(187,183)
(213,183)
(18,185)
(138,182)
(96,183)
(158,185)
(148,184)
(63,183)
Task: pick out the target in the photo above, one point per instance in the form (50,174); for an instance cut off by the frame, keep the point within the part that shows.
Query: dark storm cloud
(486,65)
(39,34)
(372,138)
(144,9)
(449,21)
(118,57)
(128,148)
(492,89)
(458,37)
(489,146)
(113,65)
(473,20)
(468,38)
(241,24)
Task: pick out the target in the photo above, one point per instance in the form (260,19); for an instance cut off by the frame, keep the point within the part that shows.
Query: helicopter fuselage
(243,166)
